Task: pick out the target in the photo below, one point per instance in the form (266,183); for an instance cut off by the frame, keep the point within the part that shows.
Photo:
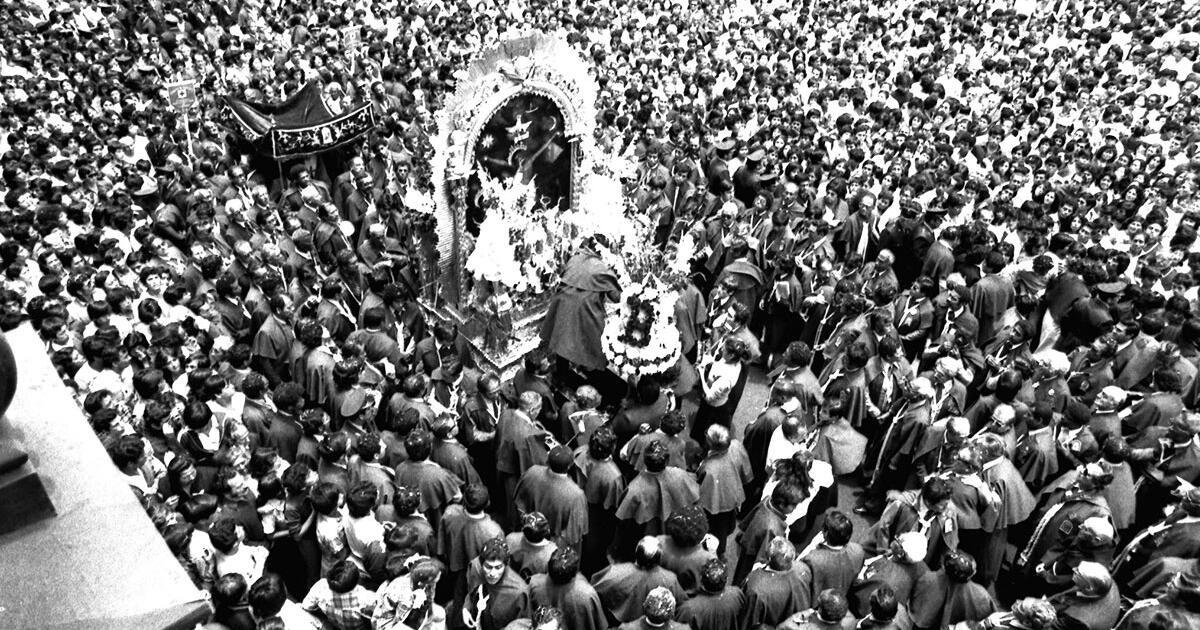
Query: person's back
(715,606)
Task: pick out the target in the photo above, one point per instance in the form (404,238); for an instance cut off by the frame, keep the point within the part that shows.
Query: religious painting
(523,140)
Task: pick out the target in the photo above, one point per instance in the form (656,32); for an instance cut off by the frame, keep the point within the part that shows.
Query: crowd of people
(958,236)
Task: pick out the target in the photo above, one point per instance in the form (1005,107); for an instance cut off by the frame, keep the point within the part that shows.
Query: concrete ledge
(100,563)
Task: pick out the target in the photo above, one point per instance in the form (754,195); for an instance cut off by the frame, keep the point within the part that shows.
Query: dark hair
(419,445)
(535,527)
(324,497)
(687,526)
(935,490)
(602,442)
(831,605)
(128,450)
(798,354)
(198,508)
(883,603)
(786,494)
(673,423)
(295,478)
(714,575)
(563,565)
(406,501)
(960,567)
(229,590)
(475,498)
(267,595)
(838,528)
(656,456)
(342,577)
(223,534)
(494,550)
(361,499)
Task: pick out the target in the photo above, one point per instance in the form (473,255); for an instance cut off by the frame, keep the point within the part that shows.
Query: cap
(725,145)
(1112,288)
(353,403)
(1116,393)
(1189,502)
(756,155)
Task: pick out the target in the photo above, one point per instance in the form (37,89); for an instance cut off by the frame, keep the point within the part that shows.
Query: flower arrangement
(642,339)
(514,247)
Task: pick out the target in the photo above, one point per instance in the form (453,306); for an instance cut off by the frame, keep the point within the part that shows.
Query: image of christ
(524,139)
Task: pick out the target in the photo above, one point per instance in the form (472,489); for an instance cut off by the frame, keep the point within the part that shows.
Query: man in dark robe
(654,495)
(548,489)
(494,594)
(1159,407)
(716,606)
(438,486)
(724,474)
(778,590)
(563,588)
(449,453)
(691,314)
(1177,449)
(603,487)
(991,297)
(758,434)
(1181,600)
(623,586)
(462,532)
(575,319)
(948,596)
(1177,536)
(1094,603)
(684,551)
(829,612)
(851,383)
(835,560)
(797,372)
(1016,503)
(901,568)
(764,524)
(521,444)
(906,429)
(928,511)
(938,261)
(1062,510)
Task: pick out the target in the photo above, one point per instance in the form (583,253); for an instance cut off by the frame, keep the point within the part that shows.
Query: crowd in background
(959,239)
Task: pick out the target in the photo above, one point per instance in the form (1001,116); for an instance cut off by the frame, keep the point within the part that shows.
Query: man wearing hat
(1176,449)
(1167,547)
(1059,517)
(746,180)
(718,168)
(1180,601)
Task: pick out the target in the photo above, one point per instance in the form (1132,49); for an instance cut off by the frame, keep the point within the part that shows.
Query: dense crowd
(959,238)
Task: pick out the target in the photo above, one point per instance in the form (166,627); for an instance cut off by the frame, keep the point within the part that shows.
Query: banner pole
(187,125)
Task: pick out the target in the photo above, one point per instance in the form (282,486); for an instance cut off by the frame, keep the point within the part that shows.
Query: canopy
(301,125)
